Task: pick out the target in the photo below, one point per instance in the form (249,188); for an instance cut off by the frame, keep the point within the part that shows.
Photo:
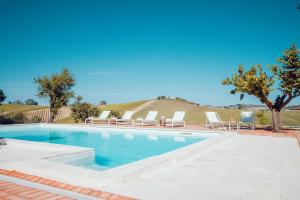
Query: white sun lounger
(213,120)
(103,117)
(177,119)
(247,117)
(126,119)
(149,120)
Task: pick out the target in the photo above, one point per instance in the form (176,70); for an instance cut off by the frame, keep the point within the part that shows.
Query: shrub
(102,103)
(115,113)
(31,102)
(35,119)
(6,120)
(82,110)
(161,97)
(19,118)
(16,102)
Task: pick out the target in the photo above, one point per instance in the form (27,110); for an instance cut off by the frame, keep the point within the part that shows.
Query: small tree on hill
(103,103)
(2,96)
(260,84)
(57,88)
(31,102)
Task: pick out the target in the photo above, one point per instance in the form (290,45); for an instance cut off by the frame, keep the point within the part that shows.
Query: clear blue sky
(123,51)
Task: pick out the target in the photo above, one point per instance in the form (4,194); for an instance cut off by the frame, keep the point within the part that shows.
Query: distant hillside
(14,108)
(194,113)
(30,111)
(124,106)
(296,107)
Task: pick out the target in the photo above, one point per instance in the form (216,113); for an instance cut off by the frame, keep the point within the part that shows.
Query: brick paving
(14,191)
(258,131)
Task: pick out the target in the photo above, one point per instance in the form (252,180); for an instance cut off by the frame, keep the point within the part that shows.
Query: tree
(57,88)
(103,102)
(2,96)
(240,106)
(18,102)
(31,102)
(115,113)
(82,110)
(260,84)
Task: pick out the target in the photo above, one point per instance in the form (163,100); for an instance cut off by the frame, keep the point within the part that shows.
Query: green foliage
(82,110)
(253,82)
(17,102)
(31,102)
(258,83)
(103,102)
(262,119)
(240,106)
(35,119)
(2,96)
(181,99)
(18,118)
(161,97)
(115,113)
(57,88)
(289,76)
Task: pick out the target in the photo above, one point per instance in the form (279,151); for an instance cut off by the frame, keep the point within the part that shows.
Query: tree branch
(290,97)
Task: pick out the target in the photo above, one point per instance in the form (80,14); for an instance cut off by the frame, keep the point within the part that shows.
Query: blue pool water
(113,147)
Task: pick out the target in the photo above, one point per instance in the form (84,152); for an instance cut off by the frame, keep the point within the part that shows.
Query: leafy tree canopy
(57,88)
(2,96)
(31,102)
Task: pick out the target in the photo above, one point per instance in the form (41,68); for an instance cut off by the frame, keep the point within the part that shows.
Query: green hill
(116,107)
(194,113)
(124,106)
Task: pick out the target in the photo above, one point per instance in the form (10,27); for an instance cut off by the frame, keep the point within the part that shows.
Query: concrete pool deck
(233,167)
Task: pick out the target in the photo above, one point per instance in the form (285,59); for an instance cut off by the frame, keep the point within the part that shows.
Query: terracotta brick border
(12,191)
(81,190)
(297,136)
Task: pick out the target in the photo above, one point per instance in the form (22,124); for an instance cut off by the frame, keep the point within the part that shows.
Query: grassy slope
(195,114)
(14,108)
(123,107)
(67,120)
(117,107)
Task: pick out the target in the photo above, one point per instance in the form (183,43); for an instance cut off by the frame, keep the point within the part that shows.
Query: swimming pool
(113,147)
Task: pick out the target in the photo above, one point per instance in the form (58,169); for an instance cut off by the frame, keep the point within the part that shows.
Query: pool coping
(130,170)
(106,126)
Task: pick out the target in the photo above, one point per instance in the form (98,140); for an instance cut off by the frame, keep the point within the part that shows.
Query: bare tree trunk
(276,120)
(52,115)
